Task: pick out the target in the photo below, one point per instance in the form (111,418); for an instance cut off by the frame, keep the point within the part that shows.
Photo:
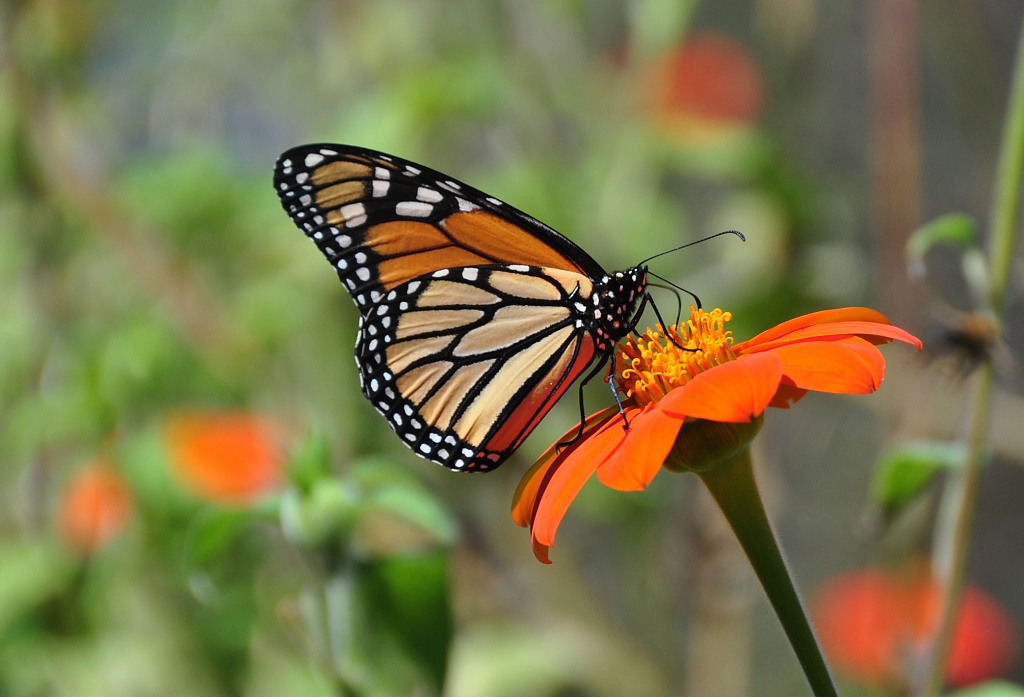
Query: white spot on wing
(428,195)
(355,214)
(313,159)
(414,209)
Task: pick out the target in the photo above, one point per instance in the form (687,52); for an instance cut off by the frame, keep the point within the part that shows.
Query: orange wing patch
(504,242)
(417,383)
(412,249)
(479,423)
(338,195)
(442,408)
(341,170)
(510,320)
(528,413)
(403,354)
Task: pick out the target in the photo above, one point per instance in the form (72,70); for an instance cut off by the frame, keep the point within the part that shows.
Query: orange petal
(541,551)
(733,392)
(787,395)
(524,501)
(847,366)
(869,331)
(95,507)
(825,317)
(229,457)
(651,436)
(571,471)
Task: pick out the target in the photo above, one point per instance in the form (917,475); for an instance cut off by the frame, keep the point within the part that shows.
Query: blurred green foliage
(146,268)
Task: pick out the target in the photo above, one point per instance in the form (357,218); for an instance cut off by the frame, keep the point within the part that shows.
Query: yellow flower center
(661,360)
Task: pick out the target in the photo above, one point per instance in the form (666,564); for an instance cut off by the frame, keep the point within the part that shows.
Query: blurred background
(195,498)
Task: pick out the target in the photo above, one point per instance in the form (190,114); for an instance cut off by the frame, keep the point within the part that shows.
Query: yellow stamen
(660,360)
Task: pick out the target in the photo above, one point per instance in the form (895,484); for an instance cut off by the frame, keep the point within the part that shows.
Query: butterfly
(475,317)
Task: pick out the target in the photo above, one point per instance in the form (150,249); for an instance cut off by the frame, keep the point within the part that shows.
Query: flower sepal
(703,445)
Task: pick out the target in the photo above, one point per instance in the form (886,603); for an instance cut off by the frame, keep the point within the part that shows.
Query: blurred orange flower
(95,507)
(874,624)
(706,88)
(696,376)
(228,457)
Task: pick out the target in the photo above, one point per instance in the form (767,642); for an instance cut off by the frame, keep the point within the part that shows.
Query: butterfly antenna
(690,244)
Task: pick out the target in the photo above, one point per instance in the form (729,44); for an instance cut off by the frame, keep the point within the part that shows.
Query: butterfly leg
(615,392)
(583,409)
(661,321)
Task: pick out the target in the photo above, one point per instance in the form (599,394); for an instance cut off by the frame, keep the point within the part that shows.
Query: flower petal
(846,366)
(787,395)
(569,473)
(842,314)
(733,392)
(524,501)
(850,321)
(871,332)
(650,437)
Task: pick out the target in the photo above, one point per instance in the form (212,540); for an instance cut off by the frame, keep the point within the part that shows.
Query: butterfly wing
(464,363)
(383,221)
(474,314)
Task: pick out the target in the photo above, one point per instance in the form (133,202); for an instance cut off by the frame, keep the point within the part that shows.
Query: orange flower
(719,389)
(230,457)
(95,507)
(874,624)
(709,87)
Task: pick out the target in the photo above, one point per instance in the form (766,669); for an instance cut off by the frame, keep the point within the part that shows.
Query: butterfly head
(615,298)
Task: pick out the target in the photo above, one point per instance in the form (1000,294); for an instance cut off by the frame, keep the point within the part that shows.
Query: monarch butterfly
(475,317)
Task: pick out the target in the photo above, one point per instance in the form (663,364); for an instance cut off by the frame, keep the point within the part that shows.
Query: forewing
(463,364)
(382,221)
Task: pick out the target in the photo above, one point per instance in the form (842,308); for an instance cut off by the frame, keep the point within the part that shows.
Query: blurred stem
(734,489)
(722,592)
(895,147)
(955,524)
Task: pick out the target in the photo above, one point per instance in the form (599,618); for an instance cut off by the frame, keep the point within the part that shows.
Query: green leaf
(398,512)
(908,467)
(323,516)
(31,575)
(955,228)
(310,461)
(405,615)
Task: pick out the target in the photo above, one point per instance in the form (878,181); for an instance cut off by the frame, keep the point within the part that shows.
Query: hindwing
(463,363)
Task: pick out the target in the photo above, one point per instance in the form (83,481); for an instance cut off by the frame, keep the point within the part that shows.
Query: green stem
(1006,203)
(954,533)
(734,489)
